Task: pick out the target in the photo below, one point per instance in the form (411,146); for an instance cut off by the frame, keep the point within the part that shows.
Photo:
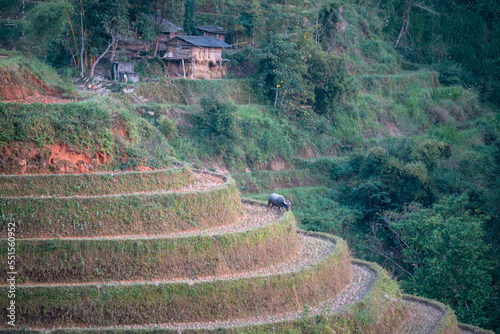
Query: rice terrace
(203,166)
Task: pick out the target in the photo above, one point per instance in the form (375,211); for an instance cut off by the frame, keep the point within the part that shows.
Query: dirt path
(37,98)
(466,331)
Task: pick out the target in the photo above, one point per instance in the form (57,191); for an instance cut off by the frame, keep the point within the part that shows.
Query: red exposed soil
(23,87)
(37,98)
(144,168)
(120,128)
(27,158)
(67,160)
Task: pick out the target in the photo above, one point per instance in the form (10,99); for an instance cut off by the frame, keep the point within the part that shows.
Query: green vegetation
(190,92)
(45,124)
(269,180)
(33,73)
(468,43)
(445,243)
(93,127)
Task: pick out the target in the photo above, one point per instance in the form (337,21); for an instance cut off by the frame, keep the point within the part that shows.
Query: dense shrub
(217,123)
(167,127)
(450,73)
(444,254)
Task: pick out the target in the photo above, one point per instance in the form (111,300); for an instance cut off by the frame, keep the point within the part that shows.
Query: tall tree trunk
(102,55)
(82,73)
(404,26)
(113,52)
(23,17)
(72,32)
(317,29)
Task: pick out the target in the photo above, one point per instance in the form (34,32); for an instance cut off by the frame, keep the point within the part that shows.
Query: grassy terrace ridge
(380,310)
(190,92)
(152,213)
(106,305)
(260,181)
(102,183)
(469,329)
(400,81)
(91,260)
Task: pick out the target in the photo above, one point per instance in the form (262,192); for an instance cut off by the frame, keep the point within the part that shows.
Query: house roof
(212,29)
(131,40)
(167,26)
(206,41)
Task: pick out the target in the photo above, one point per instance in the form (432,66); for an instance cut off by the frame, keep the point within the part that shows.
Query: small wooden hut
(196,57)
(124,71)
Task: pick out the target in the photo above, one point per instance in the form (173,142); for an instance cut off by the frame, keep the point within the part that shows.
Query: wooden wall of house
(196,70)
(205,62)
(222,37)
(206,54)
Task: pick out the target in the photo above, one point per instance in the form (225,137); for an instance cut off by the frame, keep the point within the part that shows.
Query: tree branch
(421,5)
(406,18)
(113,39)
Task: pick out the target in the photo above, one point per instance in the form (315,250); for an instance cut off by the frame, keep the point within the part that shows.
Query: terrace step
(92,184)
(258,239)
(212,201)
(320,271)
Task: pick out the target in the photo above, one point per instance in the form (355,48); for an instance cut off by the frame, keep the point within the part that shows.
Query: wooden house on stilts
(195,57)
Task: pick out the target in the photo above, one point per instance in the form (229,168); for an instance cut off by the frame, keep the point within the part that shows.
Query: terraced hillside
(177,251)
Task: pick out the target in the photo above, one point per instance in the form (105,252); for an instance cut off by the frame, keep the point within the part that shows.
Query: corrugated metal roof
(206,41)
(212,29)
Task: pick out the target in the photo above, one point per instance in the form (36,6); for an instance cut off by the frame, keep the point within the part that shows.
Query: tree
(326,21)
(112,42)
(281,69)
(444,250)
(217,123)
(47,22)
(112,20)
(332,83)
(189,13)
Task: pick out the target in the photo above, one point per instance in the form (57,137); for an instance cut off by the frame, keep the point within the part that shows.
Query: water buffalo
(278,201)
